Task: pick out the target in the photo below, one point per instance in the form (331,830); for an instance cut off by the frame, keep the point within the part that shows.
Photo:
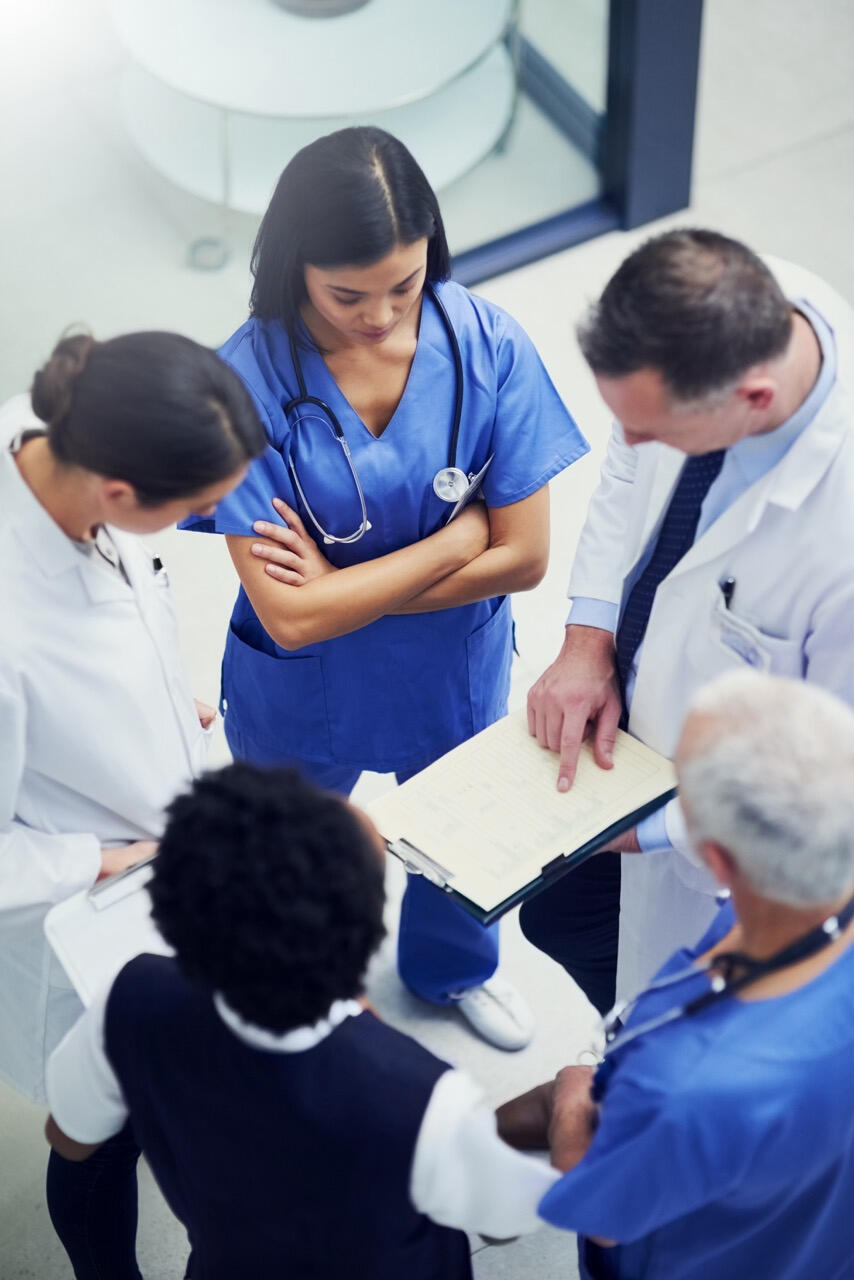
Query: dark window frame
(643,144)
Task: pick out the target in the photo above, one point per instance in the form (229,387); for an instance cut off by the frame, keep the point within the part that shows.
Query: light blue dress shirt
(745,463)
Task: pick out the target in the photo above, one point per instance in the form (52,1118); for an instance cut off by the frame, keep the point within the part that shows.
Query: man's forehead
(644,386)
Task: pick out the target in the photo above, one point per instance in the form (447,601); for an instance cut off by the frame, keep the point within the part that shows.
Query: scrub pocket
(489,651)
(275,704)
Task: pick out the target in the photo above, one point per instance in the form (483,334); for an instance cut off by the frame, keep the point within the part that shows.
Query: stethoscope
(450,483)
(722,983)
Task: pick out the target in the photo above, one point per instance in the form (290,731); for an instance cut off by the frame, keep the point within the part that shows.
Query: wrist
(581,638)
(571,1132)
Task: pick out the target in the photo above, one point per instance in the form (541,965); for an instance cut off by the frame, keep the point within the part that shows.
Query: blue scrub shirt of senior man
(405,689)
(726,1140)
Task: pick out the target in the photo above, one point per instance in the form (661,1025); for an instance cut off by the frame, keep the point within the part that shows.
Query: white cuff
(464,1175)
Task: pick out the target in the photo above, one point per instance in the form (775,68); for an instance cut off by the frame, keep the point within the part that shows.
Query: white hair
(766,771)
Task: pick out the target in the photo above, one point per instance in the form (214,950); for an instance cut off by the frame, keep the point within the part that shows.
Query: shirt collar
(52,550)
(755,455)
(295,1041)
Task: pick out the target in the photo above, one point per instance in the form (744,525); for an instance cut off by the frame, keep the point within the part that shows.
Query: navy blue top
(726,1140)
(278,1164)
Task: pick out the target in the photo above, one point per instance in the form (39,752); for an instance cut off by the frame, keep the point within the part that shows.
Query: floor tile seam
(771,157)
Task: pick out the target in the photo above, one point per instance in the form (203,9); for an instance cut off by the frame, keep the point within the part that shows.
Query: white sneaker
(497,1012)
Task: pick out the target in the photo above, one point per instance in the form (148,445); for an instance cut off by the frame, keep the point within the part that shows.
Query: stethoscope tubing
(303,398)
(617,1036)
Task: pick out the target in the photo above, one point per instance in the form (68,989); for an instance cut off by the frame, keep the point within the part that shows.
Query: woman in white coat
(98,728)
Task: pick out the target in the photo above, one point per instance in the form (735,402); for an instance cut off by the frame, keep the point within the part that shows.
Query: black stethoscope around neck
(450,483)
(729,971)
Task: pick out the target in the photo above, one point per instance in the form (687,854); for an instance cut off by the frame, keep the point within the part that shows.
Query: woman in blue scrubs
(379,636)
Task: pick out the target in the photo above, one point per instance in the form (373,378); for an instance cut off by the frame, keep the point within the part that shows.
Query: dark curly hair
(271,892)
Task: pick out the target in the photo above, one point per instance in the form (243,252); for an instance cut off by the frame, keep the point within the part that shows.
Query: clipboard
(97,931)
(486,824)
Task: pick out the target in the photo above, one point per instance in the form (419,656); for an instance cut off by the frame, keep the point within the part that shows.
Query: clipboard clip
(474,485)
(419,864)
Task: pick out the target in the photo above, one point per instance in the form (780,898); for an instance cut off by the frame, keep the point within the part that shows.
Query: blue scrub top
(405,689)
(726,1140)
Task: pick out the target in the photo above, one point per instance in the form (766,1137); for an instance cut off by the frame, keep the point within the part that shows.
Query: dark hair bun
(156,410)
(53,385)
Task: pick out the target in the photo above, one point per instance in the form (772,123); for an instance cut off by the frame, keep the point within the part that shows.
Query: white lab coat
(788,542)
(98,732)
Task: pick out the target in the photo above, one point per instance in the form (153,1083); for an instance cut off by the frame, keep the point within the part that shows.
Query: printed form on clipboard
(487,823)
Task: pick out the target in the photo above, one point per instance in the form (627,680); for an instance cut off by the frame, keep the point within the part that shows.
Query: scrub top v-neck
(407,688)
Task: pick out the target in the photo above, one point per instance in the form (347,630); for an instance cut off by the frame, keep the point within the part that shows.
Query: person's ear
(118,495)
(757,394)
(720,862)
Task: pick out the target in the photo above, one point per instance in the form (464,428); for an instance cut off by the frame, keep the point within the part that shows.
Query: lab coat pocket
(489,651)
(277,705)
(749,644)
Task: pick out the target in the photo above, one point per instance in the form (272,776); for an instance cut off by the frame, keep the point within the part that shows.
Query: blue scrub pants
(441,949)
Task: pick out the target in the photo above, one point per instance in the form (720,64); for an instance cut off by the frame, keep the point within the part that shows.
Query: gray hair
(766,770)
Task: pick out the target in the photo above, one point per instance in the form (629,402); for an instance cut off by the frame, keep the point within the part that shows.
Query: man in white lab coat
(721,535)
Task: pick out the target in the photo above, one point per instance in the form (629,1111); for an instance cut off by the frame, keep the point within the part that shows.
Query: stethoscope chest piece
(450,484)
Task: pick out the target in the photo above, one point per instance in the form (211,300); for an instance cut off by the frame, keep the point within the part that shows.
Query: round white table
(254,57)
(222,93)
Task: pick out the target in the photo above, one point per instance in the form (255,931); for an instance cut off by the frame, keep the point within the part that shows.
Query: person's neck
(768,927)
(327,339)
(797,373)
(58,489)
(331,342)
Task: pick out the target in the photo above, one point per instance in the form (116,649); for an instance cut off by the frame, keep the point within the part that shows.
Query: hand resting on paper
(575,697)
(115,860)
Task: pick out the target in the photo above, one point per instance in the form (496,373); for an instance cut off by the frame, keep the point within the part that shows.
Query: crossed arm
(301,598)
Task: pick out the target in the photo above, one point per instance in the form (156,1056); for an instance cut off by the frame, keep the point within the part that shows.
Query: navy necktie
(675,538)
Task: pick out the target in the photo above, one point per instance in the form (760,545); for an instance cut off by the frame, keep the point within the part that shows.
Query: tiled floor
(88,233)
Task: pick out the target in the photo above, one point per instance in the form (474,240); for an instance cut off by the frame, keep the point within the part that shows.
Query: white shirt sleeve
(600,559)
(83,1094)
(35,866)
(464,1175)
